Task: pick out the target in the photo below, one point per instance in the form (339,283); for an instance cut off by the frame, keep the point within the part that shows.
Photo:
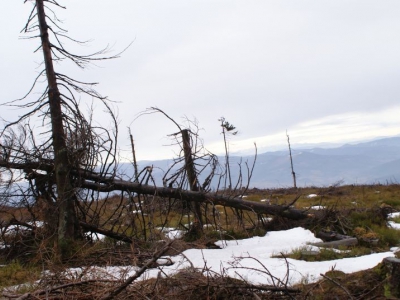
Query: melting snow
(317,207)
(245,257)
(394,225)
(394,215)
(172,233)
(312,196)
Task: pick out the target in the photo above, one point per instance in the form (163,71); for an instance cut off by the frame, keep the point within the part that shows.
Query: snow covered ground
(252,259)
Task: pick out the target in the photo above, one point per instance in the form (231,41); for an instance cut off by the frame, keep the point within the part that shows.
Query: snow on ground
(172,233)
(394,215)
(262,248)
(13,229)
(252,260)
(318,207)
(312,196)
(394,225)
(95,236)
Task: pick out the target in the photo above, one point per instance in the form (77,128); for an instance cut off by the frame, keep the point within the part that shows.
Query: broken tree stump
(392,267)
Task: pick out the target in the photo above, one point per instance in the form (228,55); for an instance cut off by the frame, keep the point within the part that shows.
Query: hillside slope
(364,163)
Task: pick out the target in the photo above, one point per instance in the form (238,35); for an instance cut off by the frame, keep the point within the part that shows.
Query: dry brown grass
(354,209)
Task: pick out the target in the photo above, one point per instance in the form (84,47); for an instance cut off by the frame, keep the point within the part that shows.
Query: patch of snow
(267,219)
(239,258)
(172,233)
(312,196)
(14,229)
(96,236)
(36,223)
(175,234)
(265,200)
(164,261)
(242,258)
(395,249)
(394,225)
(42,172)
(94,272)
(394,215)
(317,207)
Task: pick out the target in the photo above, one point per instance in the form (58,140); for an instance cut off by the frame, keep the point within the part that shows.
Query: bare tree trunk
(227,166)
(67,225)
(291,163)
(192,177)
(134,157)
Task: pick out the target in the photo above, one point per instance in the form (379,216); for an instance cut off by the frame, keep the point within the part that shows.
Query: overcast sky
(326,71)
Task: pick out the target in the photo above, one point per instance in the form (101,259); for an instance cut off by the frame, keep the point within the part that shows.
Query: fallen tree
(96,182)
(202,197)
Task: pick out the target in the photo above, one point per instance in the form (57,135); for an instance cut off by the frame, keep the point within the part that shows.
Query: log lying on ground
(97,182)
(336,244)
(202,197)
(328,236)
(334,240)
(109,233)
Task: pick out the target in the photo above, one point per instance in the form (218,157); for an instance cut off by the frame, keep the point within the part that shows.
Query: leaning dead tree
(67,225)
(67,137)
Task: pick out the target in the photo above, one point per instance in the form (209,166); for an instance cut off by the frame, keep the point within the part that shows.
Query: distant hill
(376,161)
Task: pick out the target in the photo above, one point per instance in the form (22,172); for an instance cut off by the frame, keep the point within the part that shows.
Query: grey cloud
(264,65)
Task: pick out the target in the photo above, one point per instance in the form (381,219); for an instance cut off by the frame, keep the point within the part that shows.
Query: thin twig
(138,273)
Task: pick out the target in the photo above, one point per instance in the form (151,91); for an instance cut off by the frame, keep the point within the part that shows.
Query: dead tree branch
(138,273)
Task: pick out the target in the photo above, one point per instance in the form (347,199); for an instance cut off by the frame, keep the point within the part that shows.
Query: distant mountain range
(376,161)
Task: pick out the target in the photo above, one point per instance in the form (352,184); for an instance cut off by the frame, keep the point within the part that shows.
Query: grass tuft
(15,274)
